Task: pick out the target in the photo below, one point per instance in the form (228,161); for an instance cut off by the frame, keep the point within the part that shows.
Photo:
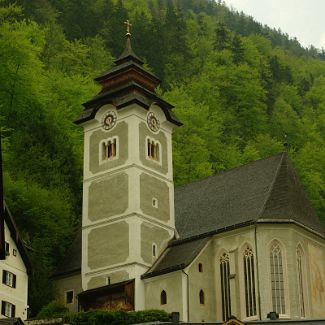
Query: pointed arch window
(202,298)
(163,297)
(225,286)
(249,277)
(300,271)
(277,278)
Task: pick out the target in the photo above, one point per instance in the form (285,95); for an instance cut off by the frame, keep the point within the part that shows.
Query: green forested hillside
(241,89)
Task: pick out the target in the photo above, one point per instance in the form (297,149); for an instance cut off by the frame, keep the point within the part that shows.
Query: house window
(109,149)
(69,297)
(154,250)
(225,286)
(163,298)
(9,279)
(7,248)
(200,267)
(201,295)
(249,277)
(14,252)
(300,267)
(8,309)
(277,278)
(153,150)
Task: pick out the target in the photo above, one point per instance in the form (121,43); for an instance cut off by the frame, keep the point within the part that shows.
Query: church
(243,243)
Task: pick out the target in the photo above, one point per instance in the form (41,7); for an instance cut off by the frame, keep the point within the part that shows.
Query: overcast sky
(304,19)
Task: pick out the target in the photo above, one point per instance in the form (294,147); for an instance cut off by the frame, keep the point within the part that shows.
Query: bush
(53,310)
(100,317)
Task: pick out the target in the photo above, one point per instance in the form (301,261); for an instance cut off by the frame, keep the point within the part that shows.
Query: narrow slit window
(202,298)
(154,250)
(200,267)
(249,276)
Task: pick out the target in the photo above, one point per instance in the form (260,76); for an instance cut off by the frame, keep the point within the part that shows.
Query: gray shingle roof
(265,189)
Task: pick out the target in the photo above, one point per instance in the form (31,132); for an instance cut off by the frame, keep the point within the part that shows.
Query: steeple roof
(126,83)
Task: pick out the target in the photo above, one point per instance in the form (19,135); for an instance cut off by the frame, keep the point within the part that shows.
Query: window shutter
(4,276)
(13,310)
(14,281)
(3,307)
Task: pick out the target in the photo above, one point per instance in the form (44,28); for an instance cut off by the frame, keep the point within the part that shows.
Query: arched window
(300,269)
(153,150)
(109,149)
(163,298)
(202,301)
(277,278)
(225,287)
(249,275)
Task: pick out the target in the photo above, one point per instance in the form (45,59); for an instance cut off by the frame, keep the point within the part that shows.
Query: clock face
(153,122)
(109,120)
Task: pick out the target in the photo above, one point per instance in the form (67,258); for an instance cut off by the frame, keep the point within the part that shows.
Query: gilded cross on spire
(128,25)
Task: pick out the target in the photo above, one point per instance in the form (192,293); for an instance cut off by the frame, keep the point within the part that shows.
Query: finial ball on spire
(128,26)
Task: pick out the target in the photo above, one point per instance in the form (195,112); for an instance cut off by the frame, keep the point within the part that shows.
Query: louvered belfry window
(277,278)
(225,287)
(249,275)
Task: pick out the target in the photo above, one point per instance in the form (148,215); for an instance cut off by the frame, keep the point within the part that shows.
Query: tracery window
(225,286)
(277,278)
(300,269)
(109,149)
(249,277)
(153,149)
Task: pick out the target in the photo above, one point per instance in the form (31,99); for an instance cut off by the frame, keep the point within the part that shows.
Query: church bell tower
(128,191)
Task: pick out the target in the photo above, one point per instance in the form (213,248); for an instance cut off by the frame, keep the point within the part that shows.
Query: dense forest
(243,91)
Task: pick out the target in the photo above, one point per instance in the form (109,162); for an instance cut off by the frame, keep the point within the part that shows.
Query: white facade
(14,281)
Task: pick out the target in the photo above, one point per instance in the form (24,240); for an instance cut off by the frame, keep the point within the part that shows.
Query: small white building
(14,269)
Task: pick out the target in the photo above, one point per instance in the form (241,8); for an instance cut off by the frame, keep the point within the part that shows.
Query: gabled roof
(267,189)
(22,248)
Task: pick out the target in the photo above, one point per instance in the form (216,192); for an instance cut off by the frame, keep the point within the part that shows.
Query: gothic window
(163,298)
(249,278)
(109,149)
(153,150)
(300,267)
(225,286)
(201,295)
(277,278)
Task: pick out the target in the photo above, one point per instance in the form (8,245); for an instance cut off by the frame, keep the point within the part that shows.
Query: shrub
(101,317)
(53,310)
